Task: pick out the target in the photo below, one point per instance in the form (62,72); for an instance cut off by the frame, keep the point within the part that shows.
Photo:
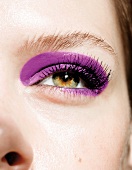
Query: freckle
(78,158)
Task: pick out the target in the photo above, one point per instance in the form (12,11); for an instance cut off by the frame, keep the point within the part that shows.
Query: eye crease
(67,70)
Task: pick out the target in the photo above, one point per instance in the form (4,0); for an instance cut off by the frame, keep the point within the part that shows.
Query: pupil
(66,77)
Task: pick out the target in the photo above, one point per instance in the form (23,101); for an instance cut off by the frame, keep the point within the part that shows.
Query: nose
(15,151)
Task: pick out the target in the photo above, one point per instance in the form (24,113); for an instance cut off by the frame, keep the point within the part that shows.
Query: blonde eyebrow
(45,43)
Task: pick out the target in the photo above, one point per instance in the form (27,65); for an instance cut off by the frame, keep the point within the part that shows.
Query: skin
(51,133)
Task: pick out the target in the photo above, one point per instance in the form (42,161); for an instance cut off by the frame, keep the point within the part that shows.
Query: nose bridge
(15,151)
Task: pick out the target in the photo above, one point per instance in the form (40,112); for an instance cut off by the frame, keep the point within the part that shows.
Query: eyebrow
(55,42)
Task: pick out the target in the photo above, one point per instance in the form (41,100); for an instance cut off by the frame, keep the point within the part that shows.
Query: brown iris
(66,79)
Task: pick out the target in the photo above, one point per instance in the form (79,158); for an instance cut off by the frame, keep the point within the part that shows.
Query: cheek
(76,137)
(102,144)
(80,142)
(96,145)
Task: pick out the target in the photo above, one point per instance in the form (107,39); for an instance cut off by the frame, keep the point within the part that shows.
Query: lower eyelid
(57,95)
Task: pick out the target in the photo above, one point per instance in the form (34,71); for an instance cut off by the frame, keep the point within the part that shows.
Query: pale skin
(61,135)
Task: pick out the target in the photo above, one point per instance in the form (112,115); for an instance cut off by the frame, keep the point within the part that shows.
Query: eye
(64,79)
(72,72)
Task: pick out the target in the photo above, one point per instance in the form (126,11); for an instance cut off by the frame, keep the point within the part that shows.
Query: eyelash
(93,86)
(96,75)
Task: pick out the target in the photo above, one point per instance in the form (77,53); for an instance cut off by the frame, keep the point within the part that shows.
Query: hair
(124,13)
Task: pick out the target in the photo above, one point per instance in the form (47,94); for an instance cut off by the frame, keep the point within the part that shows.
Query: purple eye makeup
(70,72)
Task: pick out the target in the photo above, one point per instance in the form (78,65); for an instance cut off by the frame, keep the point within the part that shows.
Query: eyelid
(50,94)
(90,69)
(37,63)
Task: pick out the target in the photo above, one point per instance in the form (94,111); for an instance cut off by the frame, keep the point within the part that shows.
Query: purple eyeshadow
(88,69)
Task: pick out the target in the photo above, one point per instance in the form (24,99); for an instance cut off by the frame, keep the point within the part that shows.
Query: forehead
(27,17)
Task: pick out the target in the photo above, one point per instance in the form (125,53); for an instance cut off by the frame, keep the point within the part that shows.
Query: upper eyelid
(43,61)
(55,42)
